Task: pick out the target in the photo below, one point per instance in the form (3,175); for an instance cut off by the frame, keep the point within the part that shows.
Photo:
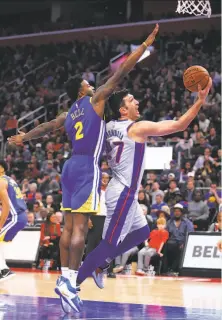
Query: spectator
(214,196)
(157,205)
(105,167)
(122,260)
(59,162)
(31,172)
(50,204)
(45,163)
(44,184)
(66,151)
(58,144)
(178,228)
(26,153)
(216,226)
(198,211)
(172,194)
(184,144)
(164,212)
(32,193)
(151,178)
(188,193)
(206,174)
(59,217)
(144,199)
(194,134)
(25,186)
(213,139)
(39,153)
(31,219)
(169,174)
(200,160)
(156,190)
(50,235)
(54,186)
(49,168)
(203,122)
(89,76)
(37,211)
(148,217)
(157,239)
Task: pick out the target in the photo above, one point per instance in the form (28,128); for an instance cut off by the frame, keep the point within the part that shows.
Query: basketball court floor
(30,295)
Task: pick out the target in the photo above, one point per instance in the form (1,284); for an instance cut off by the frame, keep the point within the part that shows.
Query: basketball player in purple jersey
(13,217)
(81,174)
(125,225)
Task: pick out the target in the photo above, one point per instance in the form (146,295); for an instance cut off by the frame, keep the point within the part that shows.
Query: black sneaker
(6,274)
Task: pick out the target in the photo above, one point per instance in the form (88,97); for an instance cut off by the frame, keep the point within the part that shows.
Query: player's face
(87,89)
(130,108)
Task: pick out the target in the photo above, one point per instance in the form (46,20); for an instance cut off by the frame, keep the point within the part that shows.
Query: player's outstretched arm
(5,202)
(143,129)
(40,130)
(103,92)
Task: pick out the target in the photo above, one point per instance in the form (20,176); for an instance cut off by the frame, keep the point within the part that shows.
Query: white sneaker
(140,272)
(68,294)
(98,277)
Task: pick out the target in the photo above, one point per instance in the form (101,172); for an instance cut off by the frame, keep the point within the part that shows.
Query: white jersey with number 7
(125,156)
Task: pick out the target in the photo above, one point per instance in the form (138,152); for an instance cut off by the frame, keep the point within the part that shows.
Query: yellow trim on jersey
(86,207)
(90,100)
(2,237)
(84,212)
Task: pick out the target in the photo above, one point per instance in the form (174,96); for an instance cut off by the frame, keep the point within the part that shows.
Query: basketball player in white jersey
(125,225)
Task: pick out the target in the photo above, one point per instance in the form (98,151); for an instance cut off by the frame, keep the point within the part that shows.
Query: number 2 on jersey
(18,193)
(79,128)
(120,145)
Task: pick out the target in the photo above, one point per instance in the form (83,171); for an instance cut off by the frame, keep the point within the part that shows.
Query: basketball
(195,75)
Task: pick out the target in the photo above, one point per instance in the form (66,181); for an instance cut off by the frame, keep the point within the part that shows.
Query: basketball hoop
(196,7)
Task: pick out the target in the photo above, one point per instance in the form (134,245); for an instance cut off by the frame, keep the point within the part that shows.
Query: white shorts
(124,213)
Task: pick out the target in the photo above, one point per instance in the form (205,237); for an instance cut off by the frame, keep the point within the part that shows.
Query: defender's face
(87,89)
(130,108)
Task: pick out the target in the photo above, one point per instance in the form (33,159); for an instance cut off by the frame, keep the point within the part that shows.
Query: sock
(3,264)
(72,277)
(95,259)
(65,272)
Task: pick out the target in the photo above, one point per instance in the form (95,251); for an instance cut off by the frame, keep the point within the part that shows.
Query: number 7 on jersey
(120,145)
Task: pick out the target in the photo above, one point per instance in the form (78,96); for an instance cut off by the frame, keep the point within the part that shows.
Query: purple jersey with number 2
(85,129)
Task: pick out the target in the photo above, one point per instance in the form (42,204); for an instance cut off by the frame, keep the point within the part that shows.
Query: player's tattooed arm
(5,202)
(40,130)
(103,92)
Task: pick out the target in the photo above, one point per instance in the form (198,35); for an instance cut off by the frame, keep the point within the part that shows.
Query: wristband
(144,43)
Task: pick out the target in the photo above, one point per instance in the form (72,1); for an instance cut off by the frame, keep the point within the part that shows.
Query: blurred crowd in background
(193,180)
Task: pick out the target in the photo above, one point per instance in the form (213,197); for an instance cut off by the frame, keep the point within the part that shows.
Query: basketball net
(196,7)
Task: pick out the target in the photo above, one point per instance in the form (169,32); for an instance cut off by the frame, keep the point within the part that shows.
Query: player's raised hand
(16,140)
(152,36)
(202,94)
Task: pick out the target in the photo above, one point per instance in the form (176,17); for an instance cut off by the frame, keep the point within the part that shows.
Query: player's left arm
(103,92)
(144,129)
(4,198)
(40,130)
